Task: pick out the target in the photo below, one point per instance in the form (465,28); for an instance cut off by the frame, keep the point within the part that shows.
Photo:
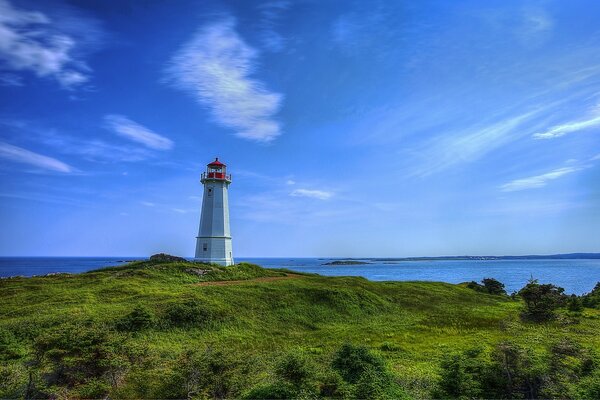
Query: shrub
(274,391)
(541,300)
(208,373)
(574,304)
(353,361)
(366,372)
(592,299)
(296,369)
(74,355)
(189,313)
(138,319)
(10,348)
(460,376)
(488,285)
(493,286)
(332,385)
(513,373)
(376,385)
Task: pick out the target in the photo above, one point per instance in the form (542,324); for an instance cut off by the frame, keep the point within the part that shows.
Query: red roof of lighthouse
(216,162)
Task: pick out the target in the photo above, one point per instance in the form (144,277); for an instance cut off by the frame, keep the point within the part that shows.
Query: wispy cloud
(33,41)
(147,203)
(24,156)
(271,13)
(315,194)
(89,149)
(215,67)
(11,80)
(450,149)
(137,133)
(538,181)
(569,127)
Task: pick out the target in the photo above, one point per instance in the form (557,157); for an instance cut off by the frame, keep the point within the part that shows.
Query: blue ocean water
(576,276)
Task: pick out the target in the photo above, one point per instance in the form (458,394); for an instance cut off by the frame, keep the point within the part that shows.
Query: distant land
(567,256)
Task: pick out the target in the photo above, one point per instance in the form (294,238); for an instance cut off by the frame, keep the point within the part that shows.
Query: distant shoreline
(567,256)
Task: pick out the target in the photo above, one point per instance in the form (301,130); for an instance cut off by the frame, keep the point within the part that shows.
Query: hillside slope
(129,331)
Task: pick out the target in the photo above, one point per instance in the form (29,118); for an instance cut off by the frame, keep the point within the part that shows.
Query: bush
(541,300)
(375,385)
(10,348)
(189,313)
(138,319)
(353,361)
(493,286)
(75,355)
(592,299)
(332,385)
(275,391)
(366,372)
(460,376)
(574,304)
(295,369)
(488,285)
(513,373)
(209,373)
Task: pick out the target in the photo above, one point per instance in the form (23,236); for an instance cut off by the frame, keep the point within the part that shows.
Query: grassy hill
(184,329)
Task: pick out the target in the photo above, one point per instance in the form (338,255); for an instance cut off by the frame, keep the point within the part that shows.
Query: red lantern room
(216,171)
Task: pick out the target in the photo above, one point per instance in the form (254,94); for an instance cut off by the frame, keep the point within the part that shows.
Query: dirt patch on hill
(264,279)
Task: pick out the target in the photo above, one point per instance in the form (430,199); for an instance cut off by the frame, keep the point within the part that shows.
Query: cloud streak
(24,156)
(131,130)
(569,127)
(215,66)
(315,194)
(538,181)
(446,150)
(32,41)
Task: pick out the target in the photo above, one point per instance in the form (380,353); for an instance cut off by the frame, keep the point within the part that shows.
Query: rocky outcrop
(163,257)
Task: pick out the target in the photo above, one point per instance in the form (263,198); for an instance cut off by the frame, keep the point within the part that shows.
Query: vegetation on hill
(179,329)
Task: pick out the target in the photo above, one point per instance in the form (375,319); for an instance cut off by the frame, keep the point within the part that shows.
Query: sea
(577,276)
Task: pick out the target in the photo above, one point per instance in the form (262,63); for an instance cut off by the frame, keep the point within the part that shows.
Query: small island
(345,262)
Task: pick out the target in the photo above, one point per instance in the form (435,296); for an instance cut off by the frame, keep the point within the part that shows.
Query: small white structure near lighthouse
(213,243)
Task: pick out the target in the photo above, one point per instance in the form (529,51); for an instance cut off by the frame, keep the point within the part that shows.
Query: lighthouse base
(211,249)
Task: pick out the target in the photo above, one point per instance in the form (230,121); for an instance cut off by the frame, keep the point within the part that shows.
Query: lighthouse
(213,243)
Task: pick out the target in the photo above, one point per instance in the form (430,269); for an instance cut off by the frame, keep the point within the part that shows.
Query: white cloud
(537,181)
(138,133)
(215,67)
(32,41)
(147,203)
(315,194)
(21,155)
(290,182)
(569,127)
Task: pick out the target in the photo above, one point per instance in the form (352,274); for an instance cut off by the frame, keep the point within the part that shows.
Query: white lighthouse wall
(214,237)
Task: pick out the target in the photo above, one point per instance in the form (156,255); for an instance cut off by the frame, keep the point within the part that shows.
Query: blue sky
(367,128)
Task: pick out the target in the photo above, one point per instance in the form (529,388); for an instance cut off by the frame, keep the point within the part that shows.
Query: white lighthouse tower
(213,244)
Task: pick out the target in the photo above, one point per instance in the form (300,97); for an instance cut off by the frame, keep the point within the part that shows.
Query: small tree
(574,304)
(493,286)
(592,299)
(488,285)
(541,300)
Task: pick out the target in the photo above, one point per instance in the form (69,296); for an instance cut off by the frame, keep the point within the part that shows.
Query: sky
(351,128)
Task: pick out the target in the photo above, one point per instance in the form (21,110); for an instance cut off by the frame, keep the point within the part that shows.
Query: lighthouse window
(210,191)
(205,247)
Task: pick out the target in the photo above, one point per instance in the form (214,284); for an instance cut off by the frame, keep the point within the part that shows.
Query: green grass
(411,324)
